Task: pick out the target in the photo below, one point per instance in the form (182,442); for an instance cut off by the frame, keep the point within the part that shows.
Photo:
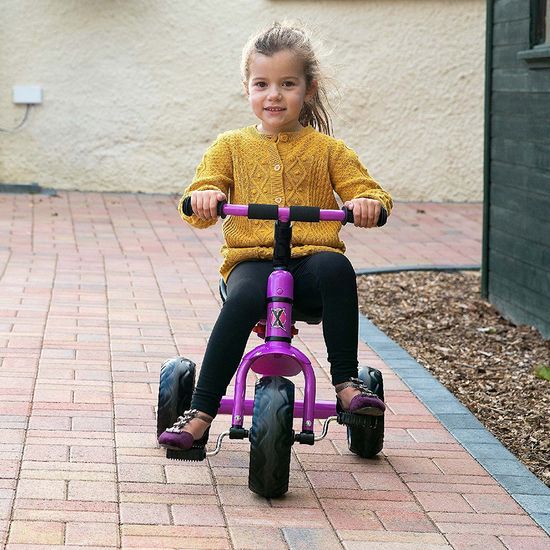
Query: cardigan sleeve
(215,172)
(351,180)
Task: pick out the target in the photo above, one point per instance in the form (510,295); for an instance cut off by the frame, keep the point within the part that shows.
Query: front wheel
(271,437)
(177,382)
(367,441)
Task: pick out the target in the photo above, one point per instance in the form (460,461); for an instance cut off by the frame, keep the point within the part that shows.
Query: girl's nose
(274,93)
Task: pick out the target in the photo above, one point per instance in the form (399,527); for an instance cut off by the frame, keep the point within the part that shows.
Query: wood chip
(486,361)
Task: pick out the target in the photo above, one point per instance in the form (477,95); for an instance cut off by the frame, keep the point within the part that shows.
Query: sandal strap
(356,383)
(187,416)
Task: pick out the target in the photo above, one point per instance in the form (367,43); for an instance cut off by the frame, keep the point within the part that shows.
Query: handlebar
(284,214)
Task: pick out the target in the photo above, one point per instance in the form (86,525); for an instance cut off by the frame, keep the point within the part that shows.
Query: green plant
(543,371)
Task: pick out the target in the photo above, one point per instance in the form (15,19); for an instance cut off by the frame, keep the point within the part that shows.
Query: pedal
(195,454)
(357,420)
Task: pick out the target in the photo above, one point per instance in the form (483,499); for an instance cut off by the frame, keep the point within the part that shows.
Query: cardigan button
(278,199)
(283,138)
(277,167)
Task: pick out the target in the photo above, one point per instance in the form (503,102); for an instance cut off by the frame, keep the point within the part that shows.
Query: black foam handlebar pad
(263,212)
(305,213)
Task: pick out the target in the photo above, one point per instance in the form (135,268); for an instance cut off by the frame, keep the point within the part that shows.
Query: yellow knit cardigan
(301,168)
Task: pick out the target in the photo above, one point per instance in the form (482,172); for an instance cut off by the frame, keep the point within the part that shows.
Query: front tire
(271,437)
(368,441)
(177,382)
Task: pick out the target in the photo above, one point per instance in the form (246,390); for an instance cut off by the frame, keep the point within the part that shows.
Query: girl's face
(277,91)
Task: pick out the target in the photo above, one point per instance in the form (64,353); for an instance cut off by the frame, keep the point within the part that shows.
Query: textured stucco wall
(135,90)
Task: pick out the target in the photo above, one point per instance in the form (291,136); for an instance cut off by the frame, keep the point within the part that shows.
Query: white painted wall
(135,90)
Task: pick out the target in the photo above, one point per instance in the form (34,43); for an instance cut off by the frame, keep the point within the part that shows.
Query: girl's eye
(288,83)
(260,84)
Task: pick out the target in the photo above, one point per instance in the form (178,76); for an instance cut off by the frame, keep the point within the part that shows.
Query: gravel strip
(485,361)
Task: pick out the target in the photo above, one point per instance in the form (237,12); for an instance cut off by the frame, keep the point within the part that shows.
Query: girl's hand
(365,211)
(205,203)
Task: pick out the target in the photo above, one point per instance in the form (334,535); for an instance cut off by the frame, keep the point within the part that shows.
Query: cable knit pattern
(293,168)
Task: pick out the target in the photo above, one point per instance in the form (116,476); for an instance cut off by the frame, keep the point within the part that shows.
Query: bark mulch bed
(488,363)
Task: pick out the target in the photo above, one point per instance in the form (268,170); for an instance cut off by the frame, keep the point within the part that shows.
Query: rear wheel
(367,441)
(177,382)
(271,436)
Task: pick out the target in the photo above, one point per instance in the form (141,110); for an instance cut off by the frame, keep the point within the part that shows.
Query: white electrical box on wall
(29,95)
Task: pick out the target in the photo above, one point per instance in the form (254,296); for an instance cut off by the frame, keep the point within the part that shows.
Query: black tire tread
(368,441)
(271,437)
(177,382)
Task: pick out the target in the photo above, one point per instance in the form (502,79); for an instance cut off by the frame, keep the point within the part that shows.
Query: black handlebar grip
(186,206)
(382,218)
(187,209)
(221,214)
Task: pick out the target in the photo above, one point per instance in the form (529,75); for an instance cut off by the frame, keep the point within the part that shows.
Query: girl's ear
(311,90)
(245,88)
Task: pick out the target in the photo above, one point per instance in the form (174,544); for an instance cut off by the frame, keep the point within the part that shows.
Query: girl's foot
(355,397)
(189,430)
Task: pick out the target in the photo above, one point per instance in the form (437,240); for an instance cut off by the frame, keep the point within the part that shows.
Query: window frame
(538,54)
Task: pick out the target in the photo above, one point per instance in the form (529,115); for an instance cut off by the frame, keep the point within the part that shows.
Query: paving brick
(443,502)
(489,529)
(381,482)
(36,532)
(140,472)
(353,518)
(82,453)
(182,473)
(166,543)
(92,534)
(257,538)
(41,488)
(414,465)
(541,542)
(303,538)
(462,466)
(475,542)
(149,514)
(103,491)
(493,503)
(91,424)
(332,479)
(379,539)
(497,519)
(274,517)
(233,495)
(197,515)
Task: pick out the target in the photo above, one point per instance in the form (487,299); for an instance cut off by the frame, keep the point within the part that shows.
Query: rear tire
(271,437)
(368,441)
(177,382)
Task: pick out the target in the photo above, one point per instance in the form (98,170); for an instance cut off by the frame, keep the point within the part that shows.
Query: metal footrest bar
(324,432)
(218,444)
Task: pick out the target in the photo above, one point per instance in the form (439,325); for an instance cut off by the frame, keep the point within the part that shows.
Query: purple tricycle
(273,408)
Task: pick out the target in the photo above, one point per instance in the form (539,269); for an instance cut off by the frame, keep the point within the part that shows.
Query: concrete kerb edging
(523,486)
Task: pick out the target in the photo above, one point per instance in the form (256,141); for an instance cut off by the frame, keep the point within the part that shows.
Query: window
(538,56)
(539,22)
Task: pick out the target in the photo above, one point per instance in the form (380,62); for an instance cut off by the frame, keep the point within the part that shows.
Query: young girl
(288,158)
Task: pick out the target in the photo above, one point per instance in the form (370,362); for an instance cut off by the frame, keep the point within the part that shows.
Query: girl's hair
(293,37)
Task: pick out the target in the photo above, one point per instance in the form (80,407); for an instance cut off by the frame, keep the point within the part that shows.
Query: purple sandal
(176,439)
(365,403)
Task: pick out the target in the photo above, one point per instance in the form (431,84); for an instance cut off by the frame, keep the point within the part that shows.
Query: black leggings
(325,280)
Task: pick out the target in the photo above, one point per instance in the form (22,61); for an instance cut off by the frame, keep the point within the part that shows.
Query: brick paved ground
(96,291)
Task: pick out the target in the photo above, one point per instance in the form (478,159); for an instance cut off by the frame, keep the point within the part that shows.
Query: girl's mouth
(274,109)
